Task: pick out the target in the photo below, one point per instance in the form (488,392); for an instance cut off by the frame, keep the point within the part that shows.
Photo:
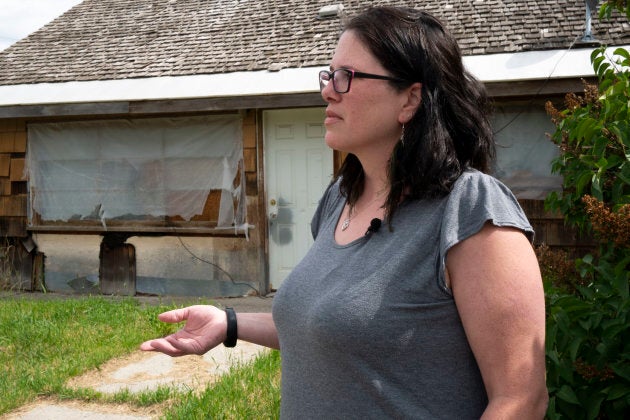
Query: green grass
(251,391)
(44,342)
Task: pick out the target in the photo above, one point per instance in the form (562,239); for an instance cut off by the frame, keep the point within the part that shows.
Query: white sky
(19,18)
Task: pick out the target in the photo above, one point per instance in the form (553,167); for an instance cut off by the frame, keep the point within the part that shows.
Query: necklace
(346,222)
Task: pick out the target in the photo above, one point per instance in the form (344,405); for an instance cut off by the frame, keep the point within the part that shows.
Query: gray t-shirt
(369,329)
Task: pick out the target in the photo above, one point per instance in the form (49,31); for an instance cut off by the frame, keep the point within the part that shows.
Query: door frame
(337,159)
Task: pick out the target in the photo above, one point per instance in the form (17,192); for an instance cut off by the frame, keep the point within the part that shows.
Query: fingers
(196,337)
(147,346)
(174,316)
(162,345)
(177,344)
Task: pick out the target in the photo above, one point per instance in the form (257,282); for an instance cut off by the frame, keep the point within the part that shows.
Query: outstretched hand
(205,328)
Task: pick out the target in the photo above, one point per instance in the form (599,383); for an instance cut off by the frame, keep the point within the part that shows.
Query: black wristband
(232,331)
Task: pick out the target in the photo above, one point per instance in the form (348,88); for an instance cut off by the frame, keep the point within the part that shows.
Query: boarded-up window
(141,172)
(524,152)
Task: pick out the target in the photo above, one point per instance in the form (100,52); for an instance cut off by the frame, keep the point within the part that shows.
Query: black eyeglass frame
(351,75)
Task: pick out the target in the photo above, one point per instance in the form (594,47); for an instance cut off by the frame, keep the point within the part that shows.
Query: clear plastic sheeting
(136,169)
(524,152)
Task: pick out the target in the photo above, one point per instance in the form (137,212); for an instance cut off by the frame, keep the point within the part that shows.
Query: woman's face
(366,119)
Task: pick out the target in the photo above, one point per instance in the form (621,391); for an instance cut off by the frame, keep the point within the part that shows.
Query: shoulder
(479,190)
(473,181)
(477,198)
(330,201)
(331,197)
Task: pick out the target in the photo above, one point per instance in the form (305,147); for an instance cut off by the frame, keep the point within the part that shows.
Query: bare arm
(258,328)
(206,328)
(497,287)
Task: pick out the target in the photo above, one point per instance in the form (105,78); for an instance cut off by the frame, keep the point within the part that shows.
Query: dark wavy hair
(449,133)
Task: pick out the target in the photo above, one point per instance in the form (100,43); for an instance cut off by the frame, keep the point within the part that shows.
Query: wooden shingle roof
(119,39)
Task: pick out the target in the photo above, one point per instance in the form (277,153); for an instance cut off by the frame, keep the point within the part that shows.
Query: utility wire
(542,86)
(227,274)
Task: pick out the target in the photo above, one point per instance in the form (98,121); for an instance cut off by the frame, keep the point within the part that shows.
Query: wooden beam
(497,90)
(141,231)
(66,110)
(536,88)
(227,103)
(117,269)
(167,106)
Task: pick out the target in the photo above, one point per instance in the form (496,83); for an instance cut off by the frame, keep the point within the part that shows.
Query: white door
(298,167)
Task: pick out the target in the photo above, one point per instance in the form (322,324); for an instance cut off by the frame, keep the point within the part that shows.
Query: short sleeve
(478,198)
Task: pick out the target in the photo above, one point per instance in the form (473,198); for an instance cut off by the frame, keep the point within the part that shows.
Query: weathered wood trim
(158,107)
(117,269)
(223,103)
(263,231)
(142,230)
(516,88)
(57,110)
(535,88)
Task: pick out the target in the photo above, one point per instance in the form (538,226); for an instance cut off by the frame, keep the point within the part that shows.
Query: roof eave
(251,88)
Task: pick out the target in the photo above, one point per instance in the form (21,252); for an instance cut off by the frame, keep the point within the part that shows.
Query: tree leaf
(567,394)
(594,403)
(574,347)
(618,390)
(622,52)
(622,369)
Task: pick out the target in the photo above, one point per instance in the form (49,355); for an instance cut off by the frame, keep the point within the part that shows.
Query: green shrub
(588,324)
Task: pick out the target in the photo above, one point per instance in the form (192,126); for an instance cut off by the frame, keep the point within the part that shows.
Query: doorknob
(273,208)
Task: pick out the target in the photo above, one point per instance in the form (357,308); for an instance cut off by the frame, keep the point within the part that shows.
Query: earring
(402,136)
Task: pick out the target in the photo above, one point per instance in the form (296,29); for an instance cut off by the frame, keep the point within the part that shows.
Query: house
(175,147)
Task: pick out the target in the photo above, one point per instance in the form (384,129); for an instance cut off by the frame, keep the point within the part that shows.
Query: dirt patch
(137,372)
(141,371)
(46,407)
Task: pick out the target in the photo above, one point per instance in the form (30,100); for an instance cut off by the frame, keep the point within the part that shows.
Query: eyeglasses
(342,79)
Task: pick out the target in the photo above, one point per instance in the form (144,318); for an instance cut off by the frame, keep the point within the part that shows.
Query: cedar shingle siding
(118,39)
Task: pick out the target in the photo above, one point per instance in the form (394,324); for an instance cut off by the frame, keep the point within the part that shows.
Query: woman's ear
(412,103)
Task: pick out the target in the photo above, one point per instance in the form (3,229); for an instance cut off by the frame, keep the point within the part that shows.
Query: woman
(440,313)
